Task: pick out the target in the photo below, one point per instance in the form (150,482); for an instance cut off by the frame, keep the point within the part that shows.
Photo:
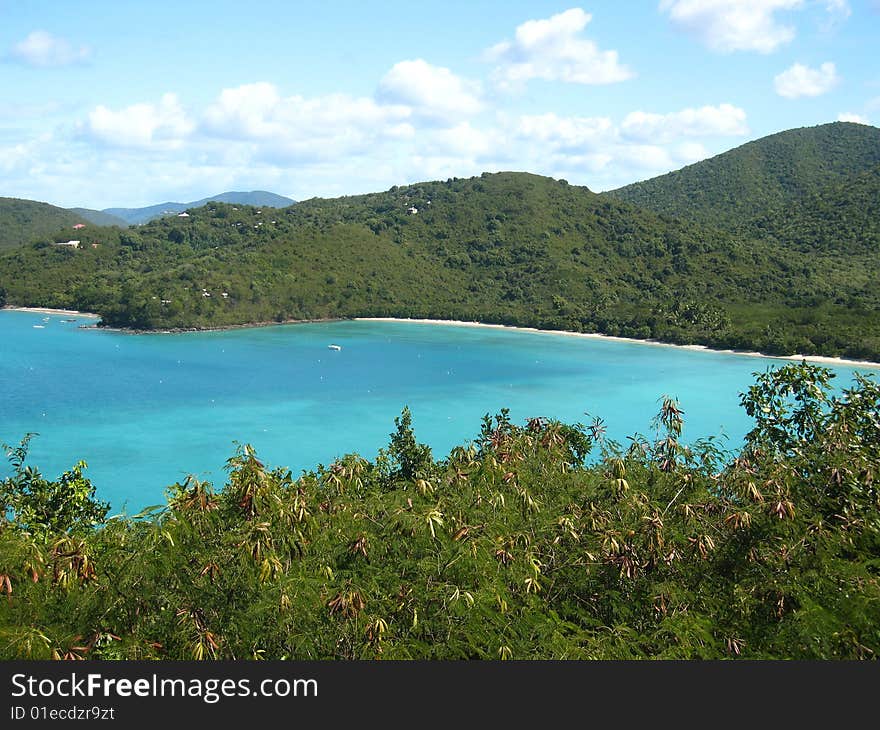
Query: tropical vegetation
(732,189)
(791,267)
(26,221)
(540,540)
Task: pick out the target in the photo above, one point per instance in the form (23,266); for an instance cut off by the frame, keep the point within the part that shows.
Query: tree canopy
(540,540)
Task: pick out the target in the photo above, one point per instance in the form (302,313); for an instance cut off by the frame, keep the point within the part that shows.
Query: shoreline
(652,343)
(796,357)
(171,330)
(48,310)
(219,328)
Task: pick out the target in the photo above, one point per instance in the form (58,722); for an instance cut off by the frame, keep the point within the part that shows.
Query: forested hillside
(784,260)
(760,177)
(508,248)
(841,218)
(24,221)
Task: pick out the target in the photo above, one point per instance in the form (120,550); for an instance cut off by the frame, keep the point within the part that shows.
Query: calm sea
(145,410)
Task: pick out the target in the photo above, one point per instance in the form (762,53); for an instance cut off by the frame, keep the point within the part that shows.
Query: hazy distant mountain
(760,177)
(133,216)
(254,197)
(23,221)
(99,217)
(263,198)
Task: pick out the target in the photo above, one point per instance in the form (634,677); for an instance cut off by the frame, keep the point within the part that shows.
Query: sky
(126,104)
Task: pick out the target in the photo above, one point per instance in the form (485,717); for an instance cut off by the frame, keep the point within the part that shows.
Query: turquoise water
(145,410)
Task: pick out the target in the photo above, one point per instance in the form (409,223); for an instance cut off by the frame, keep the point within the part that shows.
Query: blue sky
(132,103)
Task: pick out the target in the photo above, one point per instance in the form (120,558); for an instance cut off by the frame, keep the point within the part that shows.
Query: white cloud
(428,167)
(689,152)
(594,162)
(553,49)
(566,134)
(734,25)
(839,9)
(43,50)
(849,117)
(255,137)
(603,154)
(645,157)
(837,13)
(12,157)
(462,140)
(297,128)
(800,80)
(161,126)
(707,121)
(245,111)
(430,91)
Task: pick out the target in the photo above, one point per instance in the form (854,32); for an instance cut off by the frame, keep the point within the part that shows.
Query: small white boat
(39,326)
(334,347)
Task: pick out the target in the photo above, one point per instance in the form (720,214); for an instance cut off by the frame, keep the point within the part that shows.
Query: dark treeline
(541,540)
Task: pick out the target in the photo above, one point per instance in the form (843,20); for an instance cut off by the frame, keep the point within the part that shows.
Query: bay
(145,410)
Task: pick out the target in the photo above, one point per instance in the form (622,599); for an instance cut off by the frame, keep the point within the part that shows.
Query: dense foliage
(840,219)
(509,248)
(25,221)
(761,176)
(517,545)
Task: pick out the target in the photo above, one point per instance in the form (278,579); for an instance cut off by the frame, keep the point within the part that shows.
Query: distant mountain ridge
(99,217)
(134,216)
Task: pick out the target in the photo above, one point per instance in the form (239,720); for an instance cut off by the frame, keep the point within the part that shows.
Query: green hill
(842,218)
(24,221)
(761,176)
(508,248)
(100,218)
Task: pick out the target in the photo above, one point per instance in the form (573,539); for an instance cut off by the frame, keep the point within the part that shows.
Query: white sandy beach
(651,343)
(46,310)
